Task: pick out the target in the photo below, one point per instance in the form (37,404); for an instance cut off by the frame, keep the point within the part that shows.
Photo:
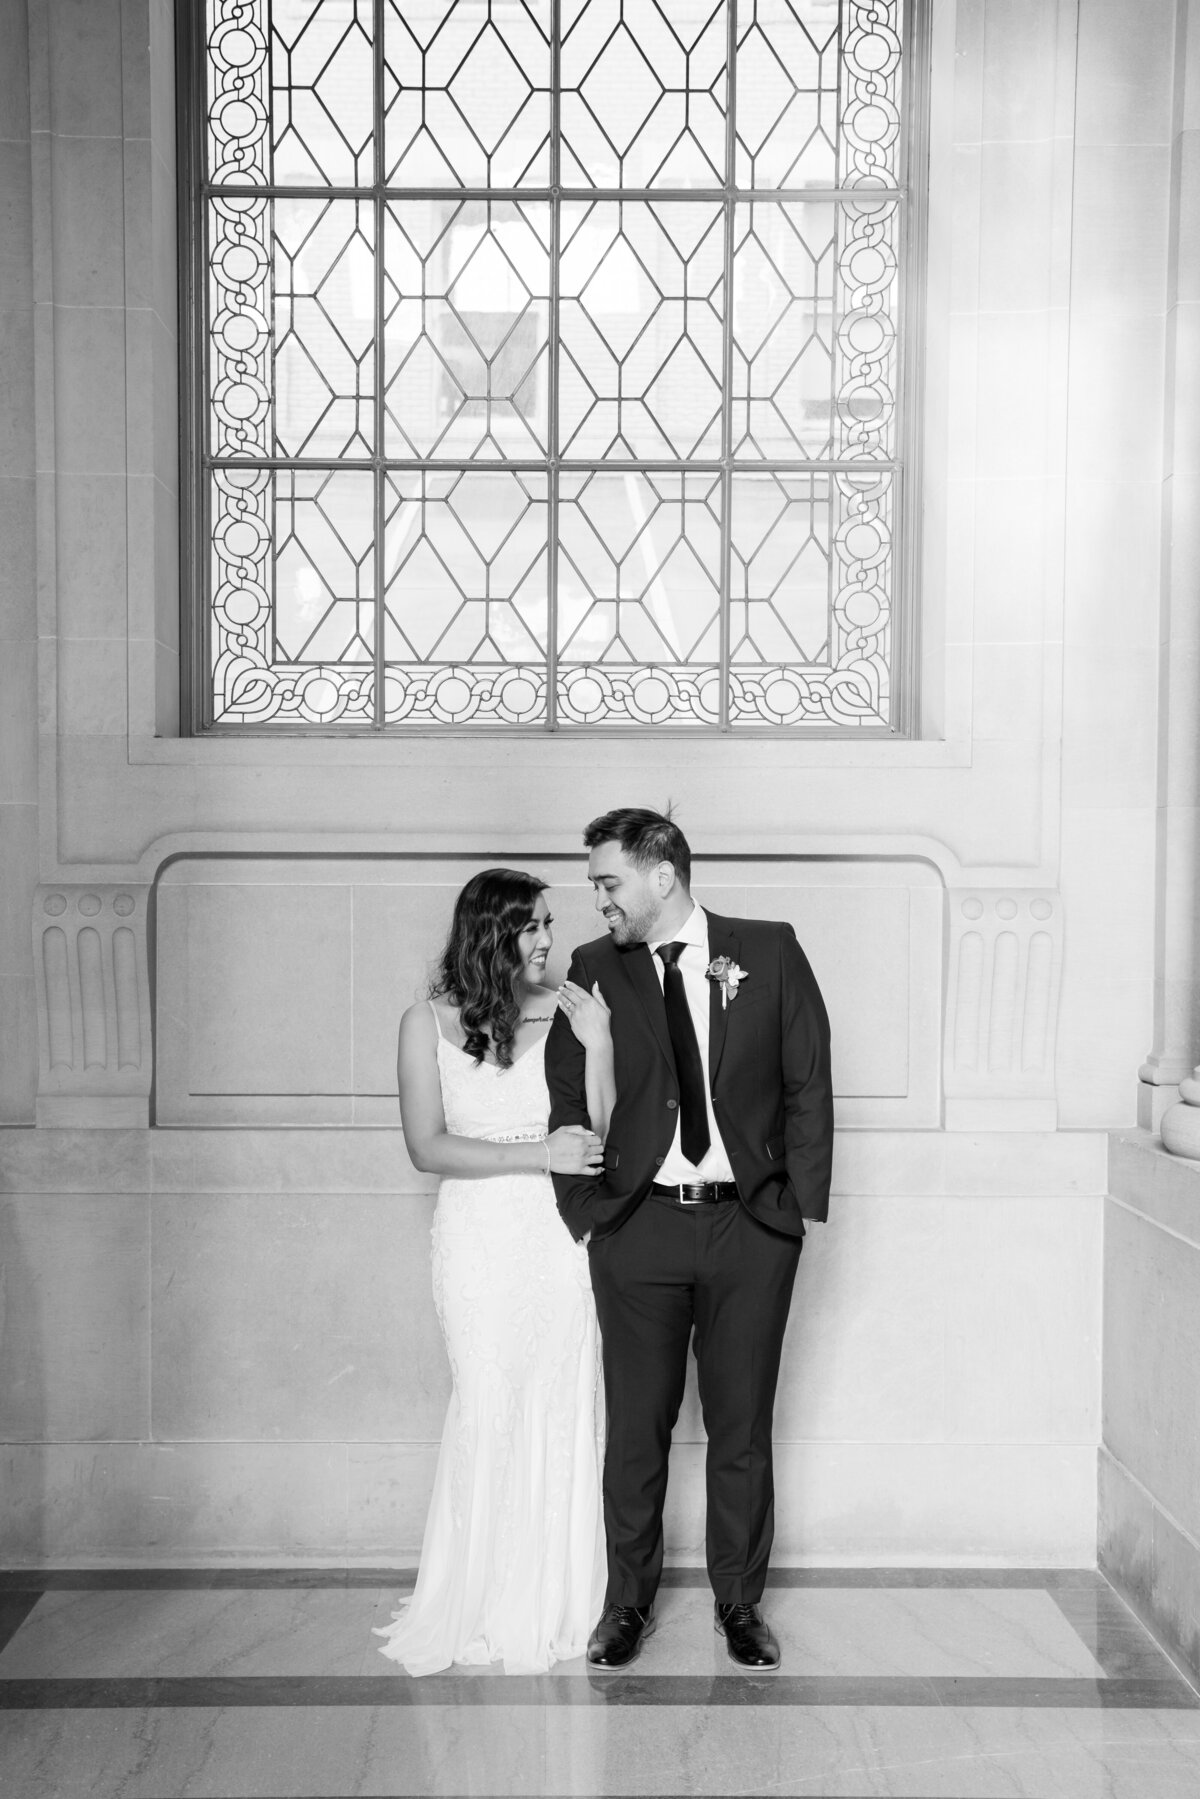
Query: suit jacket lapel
(721,942)
(637,966)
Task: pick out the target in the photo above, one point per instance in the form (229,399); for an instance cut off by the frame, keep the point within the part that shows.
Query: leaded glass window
(548,362)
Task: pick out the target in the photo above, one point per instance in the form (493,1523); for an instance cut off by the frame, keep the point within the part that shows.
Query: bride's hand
(587,1014)
(574,1150)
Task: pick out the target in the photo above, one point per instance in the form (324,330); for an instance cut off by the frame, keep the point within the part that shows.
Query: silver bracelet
(546,1147)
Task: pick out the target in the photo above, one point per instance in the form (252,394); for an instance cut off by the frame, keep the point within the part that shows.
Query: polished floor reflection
(908,1683)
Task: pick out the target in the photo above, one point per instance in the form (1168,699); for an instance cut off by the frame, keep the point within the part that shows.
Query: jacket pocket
(775,1147)
(748,996)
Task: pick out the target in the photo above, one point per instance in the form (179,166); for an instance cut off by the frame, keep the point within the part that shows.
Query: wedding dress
(512,1567)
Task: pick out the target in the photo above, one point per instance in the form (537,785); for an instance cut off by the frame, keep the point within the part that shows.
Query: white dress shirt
(693,961)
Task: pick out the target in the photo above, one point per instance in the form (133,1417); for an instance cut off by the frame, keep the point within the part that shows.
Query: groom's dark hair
(647,838)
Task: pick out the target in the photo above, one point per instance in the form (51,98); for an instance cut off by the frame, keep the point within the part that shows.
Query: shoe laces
(625,1614)
(741,1613)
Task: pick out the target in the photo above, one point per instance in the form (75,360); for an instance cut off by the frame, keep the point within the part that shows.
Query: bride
(512,1567)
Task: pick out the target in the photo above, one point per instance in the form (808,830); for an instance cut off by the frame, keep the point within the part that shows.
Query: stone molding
(278,1160)
(1180,1123)
(1004,947)
(93,995)
(1004,950)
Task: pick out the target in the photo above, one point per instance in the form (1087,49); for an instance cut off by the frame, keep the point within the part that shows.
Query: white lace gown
(512,1567)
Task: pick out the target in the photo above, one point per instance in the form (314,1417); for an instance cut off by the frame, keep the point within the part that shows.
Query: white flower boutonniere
(725,971)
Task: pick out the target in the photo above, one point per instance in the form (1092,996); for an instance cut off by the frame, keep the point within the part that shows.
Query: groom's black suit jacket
(769,1076)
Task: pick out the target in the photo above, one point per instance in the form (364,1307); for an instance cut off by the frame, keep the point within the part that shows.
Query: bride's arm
(435,1150)
(591,1021)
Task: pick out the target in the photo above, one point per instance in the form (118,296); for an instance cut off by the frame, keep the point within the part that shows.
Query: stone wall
(216,933)
(1149,1541)
(223,1347)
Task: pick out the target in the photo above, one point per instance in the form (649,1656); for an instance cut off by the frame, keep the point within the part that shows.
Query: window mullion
(726,578)
(204,410)
(552,444)
(379,475)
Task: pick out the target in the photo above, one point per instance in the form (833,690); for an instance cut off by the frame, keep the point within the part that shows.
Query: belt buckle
(689,1199)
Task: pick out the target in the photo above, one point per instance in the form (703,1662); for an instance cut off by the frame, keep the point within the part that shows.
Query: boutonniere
(728,976)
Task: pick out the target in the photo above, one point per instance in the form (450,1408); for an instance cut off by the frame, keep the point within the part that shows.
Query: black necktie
(693,1115)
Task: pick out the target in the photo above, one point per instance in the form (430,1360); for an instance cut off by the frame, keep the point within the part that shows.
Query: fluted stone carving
(89,952)
(1005,950)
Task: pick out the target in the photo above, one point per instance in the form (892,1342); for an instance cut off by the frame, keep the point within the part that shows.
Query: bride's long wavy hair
(480,967)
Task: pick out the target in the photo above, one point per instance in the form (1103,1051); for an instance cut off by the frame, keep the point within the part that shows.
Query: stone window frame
(915,715)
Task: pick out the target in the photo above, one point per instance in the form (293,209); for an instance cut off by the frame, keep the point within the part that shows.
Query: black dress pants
(668,1272)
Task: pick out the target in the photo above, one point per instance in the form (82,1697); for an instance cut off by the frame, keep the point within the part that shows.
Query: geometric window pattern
(551,356)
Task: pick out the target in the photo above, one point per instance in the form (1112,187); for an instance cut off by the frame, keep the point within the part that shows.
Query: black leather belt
(696,1193)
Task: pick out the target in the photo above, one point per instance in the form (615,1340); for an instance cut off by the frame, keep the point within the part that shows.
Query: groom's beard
(634,926)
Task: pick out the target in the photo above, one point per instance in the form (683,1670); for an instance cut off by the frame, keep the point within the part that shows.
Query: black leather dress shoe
(619,1635)
(747,1636)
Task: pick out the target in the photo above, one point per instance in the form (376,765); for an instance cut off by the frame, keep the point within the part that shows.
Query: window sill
(568,749)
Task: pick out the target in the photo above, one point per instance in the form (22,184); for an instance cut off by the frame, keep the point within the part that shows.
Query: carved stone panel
(1005,950)
(89,953)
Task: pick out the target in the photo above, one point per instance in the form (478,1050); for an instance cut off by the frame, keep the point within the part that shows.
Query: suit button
(658,1161)
(672,1105)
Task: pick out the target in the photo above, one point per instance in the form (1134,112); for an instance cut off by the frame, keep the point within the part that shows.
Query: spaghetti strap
(437,1021)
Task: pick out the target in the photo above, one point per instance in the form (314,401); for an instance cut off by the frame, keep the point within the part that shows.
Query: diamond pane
(814,335)
(466,328)
(638,589)
(641,328)
(818,93)
(324,349)
(465,588)
(781,569)
(783,329)
(787,76)
(467,93)
(810,616)
(322,81)
(643,93)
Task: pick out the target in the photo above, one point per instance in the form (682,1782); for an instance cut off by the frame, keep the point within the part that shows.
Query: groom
(718,1149)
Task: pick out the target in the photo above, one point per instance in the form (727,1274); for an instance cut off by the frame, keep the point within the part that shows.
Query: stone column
(18,583)
(93,992)
(1169,1096)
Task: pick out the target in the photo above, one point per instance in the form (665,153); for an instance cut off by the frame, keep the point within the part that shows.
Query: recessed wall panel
(281,982)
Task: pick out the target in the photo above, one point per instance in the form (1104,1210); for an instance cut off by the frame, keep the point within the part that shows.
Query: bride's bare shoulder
(418,1024)
(430,1019)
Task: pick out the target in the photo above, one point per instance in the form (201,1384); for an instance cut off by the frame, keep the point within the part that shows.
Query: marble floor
(901,1682)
